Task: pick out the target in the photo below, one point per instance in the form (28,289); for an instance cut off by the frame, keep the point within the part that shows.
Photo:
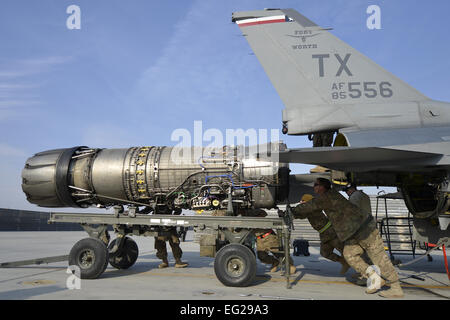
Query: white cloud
(207,72)
(107,135)
(9,151)
(19,83)
(30,66)
(197,64)
(7,104)
(8,87)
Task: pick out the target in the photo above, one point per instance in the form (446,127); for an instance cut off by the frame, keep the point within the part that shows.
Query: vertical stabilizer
(318,76)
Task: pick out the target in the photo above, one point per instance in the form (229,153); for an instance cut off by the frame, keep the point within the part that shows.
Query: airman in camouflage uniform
(358,232)
(161,250)
(328,237)
(267,246)
(358,198)
(362,201)
(324,139)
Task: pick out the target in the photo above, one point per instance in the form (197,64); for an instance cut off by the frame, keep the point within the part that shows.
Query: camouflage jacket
(319,221)
(345,217)
(361,200)
(328,235)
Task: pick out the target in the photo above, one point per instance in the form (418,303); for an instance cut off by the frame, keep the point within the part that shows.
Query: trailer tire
(91,256)
(124,257)
(235,265)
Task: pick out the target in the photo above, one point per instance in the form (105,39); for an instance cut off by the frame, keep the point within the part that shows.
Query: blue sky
(138,70)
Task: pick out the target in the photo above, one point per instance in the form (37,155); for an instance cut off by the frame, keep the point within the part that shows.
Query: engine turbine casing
(169,177)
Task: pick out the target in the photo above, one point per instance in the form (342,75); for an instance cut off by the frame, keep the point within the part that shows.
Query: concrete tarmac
(316,278)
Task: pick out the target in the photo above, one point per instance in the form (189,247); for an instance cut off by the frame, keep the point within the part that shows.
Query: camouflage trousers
(268,251)
(373,245)
(326,249)
(174,241)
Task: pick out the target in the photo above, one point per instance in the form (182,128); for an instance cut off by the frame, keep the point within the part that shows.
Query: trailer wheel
(91,256)
(235,265)
(124,257)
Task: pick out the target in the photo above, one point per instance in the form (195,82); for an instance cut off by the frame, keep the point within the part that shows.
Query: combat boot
(394,292)
(180,264)
(274,267)
(164,264)
(292,269)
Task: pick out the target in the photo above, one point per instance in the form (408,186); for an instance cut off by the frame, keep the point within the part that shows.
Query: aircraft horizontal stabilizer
(358,159)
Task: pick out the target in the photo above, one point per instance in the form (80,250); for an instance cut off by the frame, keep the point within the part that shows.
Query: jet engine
(162,179)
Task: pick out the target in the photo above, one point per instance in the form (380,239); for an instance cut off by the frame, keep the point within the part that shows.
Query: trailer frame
(223,231)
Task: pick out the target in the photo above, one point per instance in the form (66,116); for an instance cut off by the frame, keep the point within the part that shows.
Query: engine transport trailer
(164,181)
(228,239)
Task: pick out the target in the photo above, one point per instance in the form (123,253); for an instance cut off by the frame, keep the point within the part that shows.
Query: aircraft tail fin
(316,74)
